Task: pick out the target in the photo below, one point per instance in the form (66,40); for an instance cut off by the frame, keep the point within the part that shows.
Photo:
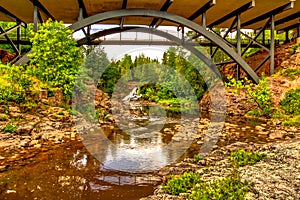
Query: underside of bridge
(200,16)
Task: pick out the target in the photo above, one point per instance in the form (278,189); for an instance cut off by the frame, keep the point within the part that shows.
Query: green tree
(56,56)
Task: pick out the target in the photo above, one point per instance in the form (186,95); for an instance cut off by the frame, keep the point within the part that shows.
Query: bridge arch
(173,18)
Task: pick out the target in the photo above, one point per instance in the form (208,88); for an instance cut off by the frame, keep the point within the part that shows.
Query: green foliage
(55,56)
(25,34)
(261,95)
(291,73)
(250,52)
(16,85)
(237,85)
(294,49)
(3,118)
(242,158)
(141,71)
(292,121)
(255,113)
(182,183)
(190,182)
(10,128)
(197,158)
(61,113)
(291,103)
(225,188)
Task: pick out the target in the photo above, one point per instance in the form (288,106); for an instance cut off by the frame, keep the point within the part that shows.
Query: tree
(56,56)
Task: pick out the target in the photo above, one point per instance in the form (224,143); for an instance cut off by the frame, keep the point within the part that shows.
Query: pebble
(33,142)
(11,191)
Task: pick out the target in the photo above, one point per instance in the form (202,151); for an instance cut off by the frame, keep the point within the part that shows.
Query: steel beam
(82,9)
(270,13)
(288,28)
(267,24)
(225,62)
(240,10)
(238,46)
(11,29)
(253,41)
(22,42)
(35,18)
(19,38)
(165,7)
(170,17)
(228,43)
(202,10)
(12,16)
(263,35)
(84,41)
(262,63)
(9,40)
(40,17)
(103,33)
(124,6)
(272,46)
(226,33)
(204,20)
(42,8)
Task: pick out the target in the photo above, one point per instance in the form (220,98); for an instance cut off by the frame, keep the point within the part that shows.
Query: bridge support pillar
(272,46)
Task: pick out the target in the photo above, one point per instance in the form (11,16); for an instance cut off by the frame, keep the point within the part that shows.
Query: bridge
(201,16)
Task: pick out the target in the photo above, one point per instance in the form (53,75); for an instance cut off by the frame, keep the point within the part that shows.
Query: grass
(10,128)
(242,158)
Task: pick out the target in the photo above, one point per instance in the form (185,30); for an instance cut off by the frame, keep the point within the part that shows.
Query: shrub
(292,121)
(56,56)
(261,95)
(238,85)
(242,158)
(181,184)
(291,103)
(225,188)
(16,85)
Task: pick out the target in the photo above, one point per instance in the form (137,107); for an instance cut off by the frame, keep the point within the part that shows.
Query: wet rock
(33,142)
(73,136)
(14,109)
(24,129)
(262,132)
(11,191)
(168,130)
(259,128)
(277,134)
(24,143)
(37,146)
(3,117)
(3,168)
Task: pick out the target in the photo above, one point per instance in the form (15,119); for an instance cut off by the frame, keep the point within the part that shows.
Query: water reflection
(71,172)
(142,149)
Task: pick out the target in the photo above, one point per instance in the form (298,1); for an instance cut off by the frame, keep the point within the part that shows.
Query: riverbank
(275,177)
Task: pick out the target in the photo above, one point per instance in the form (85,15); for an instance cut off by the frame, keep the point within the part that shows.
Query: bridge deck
(68,10)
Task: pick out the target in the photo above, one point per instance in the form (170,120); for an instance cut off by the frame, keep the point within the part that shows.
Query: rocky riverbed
(275,177)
